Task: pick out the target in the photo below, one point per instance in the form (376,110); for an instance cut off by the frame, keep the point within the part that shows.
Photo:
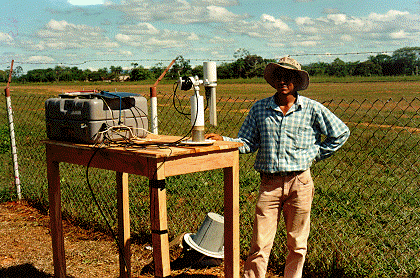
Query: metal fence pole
(12,133)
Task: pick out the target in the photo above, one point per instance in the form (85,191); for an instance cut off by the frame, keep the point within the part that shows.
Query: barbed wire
(63,63)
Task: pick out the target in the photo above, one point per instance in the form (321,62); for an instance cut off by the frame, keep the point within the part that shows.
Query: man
(287,130)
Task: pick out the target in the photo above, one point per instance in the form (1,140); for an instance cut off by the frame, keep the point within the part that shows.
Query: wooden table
(156,164)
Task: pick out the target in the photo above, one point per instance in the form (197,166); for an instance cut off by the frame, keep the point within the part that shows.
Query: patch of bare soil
(26,251)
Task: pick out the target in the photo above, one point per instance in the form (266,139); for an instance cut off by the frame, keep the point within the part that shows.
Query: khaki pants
(292,194)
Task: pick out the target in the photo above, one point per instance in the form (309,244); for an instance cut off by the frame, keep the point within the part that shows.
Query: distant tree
(134,65)
(384,62)
(103,73)
(140,73)
(405,60)
(95,76)
(37,75)
(3,76)
(241,53)
(337,68)
(247,65)
(239,66)
(254,66)
(367,68)
(225,71)
(115,72)
(86,74)
(157,70)
(17,72)
(181,67)
(197,71)
(319,68)
(50,75)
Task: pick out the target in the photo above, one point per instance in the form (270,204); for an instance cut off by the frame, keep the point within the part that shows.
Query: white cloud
(390,15)
(222,3)
(331,30)
(305,43)
(337,18)
(162,43)
(122,38)
(40,59)
(178,11)
(64,35)
(220,40)
(270,22)
(57,25)
(193,37)
(276,45)
(146,36)
(346,38)
(85,2)
(140,28)
(304,21)
(5,38)
(126,52)
(401,34)
(220,14)
(267,27)
(372,29)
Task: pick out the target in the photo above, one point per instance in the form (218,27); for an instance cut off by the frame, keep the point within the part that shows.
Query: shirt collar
(296,106)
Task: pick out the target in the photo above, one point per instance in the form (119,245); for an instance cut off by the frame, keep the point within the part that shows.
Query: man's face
(285,81)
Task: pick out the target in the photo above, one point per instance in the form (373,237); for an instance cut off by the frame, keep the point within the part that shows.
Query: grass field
(366,210)
(321,88)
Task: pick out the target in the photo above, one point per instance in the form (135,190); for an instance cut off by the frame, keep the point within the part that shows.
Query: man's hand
(213,136)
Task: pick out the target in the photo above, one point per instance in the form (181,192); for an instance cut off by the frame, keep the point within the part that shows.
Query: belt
(280,174)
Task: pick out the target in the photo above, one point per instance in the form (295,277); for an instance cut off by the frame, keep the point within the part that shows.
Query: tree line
(404,61)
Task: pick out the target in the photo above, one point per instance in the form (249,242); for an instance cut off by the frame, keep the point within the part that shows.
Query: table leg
(159,226)
(54,198)
(231,214)
(123,224)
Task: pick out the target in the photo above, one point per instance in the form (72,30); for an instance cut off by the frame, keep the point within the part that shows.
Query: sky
(93,34)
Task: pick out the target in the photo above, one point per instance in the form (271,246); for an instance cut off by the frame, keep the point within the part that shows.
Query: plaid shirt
(293,141)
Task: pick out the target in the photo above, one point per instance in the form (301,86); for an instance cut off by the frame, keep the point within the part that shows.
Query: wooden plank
(159,227)
(154,151)
(54,198)
(101,158)
(136,163)
(198,163)
(231,214)
(161,255)
(123,224)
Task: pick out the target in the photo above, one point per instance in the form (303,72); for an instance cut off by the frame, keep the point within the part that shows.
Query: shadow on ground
(23,271)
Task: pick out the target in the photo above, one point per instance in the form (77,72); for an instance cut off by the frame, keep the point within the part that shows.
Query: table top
(156,146)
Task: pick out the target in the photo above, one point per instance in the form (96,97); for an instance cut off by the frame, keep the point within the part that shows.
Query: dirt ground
(26,252)
(25,249)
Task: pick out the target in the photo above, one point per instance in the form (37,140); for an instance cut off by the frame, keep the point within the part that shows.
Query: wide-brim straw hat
(287,63)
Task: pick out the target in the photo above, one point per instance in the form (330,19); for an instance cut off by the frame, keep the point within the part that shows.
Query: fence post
(153,100)
(12,133)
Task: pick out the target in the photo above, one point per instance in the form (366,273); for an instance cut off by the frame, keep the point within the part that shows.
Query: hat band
(288,65)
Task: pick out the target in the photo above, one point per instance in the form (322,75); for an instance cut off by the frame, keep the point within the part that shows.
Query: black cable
(179,101)
(121,253)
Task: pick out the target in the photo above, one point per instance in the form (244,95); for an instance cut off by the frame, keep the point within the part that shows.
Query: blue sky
(94,34)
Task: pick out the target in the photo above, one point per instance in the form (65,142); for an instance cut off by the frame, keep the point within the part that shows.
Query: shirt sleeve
(248,134)
(334,129)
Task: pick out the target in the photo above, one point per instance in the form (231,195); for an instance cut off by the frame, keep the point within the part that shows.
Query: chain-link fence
(366,212)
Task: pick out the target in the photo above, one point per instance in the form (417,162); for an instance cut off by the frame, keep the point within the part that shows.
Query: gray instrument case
(84,116)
